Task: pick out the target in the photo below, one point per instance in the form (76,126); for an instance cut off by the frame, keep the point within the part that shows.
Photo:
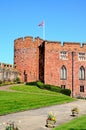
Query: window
(82,56)
(81,88)
(63,86)
(82,73)
(63,55)
(63,74)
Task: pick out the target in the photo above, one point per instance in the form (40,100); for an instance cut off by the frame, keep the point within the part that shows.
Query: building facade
(8,72)
(52,62)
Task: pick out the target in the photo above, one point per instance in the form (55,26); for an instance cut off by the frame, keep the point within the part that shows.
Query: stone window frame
(63,73)
(82,56)
(82,88)
(63,86)
(63,55)
(82,73)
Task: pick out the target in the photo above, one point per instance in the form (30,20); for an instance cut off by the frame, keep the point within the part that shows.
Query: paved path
(7,87)
(36,119)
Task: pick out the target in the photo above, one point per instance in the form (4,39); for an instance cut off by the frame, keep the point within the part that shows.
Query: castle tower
(26,58)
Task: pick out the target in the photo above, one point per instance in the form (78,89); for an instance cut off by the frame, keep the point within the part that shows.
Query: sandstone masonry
(52,62)
(7,72)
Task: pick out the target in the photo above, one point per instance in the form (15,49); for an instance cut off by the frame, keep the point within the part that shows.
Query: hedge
(50,87)
(66,91)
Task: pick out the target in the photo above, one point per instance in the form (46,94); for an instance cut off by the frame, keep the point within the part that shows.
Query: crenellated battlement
(23,40)
(74,46)
(18,40)
(27,38)
(70,46)
(38,41)
(4,65)
(84,45)
(27,42)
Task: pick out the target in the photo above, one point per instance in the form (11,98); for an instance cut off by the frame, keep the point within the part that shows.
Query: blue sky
(65,20)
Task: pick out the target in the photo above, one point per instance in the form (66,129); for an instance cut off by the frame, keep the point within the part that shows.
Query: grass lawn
(76,124)
(29,97)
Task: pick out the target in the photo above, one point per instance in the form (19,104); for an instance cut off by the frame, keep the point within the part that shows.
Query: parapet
(71,43)
(18,40)
(55,42)
(22,40)
(83,44)
(29,40)
(4,65)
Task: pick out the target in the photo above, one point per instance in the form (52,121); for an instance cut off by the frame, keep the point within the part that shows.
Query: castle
(52,62)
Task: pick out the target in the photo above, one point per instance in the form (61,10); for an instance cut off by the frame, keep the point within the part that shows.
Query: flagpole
(42,24)
(44,31)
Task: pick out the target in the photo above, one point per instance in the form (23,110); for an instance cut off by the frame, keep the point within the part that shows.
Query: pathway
(36,119)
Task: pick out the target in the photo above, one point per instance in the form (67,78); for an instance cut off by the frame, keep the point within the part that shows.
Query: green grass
(29,97)
(30,88)
(76,124)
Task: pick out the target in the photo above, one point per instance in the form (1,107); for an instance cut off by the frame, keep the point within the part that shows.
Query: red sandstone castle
(51,62)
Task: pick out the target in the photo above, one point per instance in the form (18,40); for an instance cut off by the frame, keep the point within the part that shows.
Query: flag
(41,24)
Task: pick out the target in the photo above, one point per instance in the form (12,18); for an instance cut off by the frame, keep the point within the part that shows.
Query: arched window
(63,74)
(82,73)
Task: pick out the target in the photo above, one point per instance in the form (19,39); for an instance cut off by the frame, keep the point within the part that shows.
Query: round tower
(26,58)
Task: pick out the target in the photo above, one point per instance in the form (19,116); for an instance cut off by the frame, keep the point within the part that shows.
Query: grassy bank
(29,97)
(76,124)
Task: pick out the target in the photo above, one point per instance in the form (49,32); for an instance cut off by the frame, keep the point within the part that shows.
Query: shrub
(17,80)
(9,80)
(31,83)
(40,85)
(66,91)
(55,89)
(47,86)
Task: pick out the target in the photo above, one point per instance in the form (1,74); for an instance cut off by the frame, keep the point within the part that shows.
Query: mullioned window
(63,55)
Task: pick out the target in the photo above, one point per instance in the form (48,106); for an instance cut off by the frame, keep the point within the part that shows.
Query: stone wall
(53,64)
(26,58)
(7,72)
(36,59)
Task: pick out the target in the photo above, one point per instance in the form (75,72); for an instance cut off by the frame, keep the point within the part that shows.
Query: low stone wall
(7,72)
